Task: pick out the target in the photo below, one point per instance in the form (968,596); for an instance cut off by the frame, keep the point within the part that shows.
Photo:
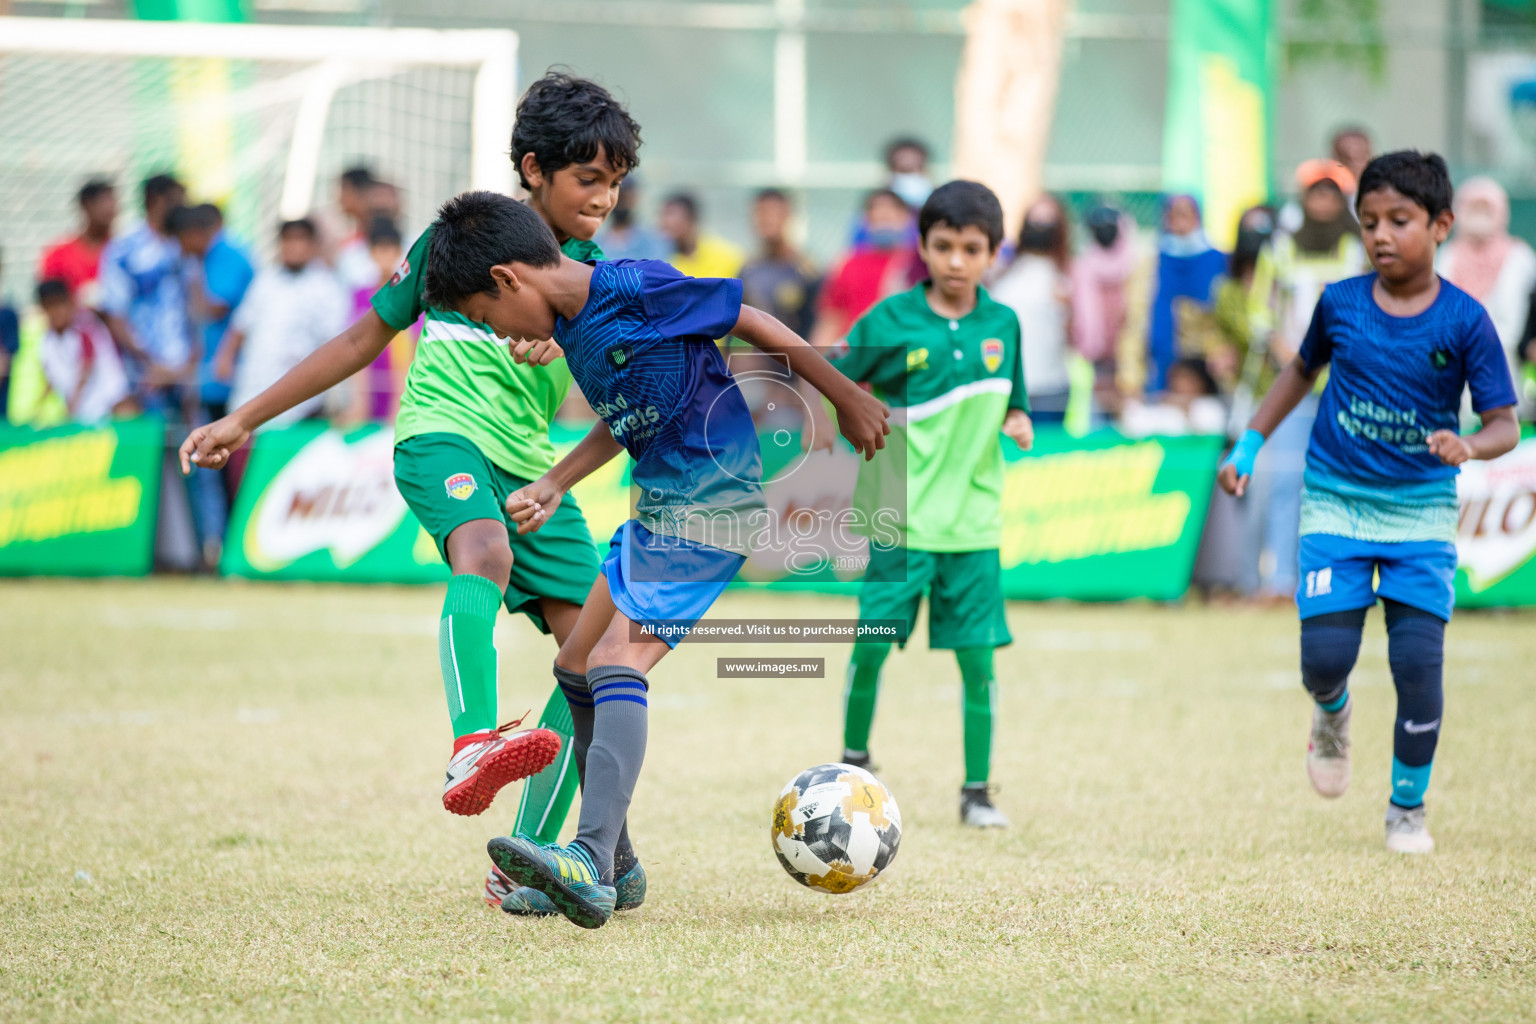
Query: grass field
(221,802)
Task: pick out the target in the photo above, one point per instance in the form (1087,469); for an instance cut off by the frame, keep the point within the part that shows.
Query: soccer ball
(835,828)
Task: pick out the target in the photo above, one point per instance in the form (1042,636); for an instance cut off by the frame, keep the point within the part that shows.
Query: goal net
(257,118)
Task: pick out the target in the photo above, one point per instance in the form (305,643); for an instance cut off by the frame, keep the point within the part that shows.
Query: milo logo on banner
(1496,537)
(333,497)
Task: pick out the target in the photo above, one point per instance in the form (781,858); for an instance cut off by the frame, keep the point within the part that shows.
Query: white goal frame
(337,57)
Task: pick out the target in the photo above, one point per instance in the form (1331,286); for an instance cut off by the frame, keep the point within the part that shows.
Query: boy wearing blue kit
(1380,486)
(639,339)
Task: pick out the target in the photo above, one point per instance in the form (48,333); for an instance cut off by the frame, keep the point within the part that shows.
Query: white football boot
(1328,751)
(1406,832)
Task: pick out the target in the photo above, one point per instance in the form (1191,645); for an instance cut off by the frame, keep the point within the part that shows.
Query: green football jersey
(463,380)
(949,384)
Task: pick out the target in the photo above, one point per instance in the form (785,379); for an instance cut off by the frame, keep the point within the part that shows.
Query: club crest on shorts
(992,354)
(460,486)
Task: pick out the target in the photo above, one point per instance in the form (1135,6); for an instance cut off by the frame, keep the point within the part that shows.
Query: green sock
(466,648)
(980,692)
(547,796)
(862,692)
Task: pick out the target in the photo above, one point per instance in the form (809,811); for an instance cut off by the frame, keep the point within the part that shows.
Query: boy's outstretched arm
(1499,434)
(324,368)
(861,417)
(530,507)
(1285,394)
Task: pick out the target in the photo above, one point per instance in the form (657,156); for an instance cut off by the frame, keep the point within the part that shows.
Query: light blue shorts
(660,581)
(1337,574)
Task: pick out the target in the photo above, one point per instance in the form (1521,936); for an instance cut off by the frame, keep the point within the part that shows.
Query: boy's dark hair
(301,224)
(1422,177)
(902,142)
(93,190)
(358,176)
(562,120)
(687,201)
(771,195)
(382,231)
(158,186)
(961,204)
(203,217)
(474,232)
(52,290)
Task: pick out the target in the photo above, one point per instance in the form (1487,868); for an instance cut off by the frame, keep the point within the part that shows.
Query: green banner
(80,501)
(1220,108)
(1104,517)
(316,504)
(1496,539)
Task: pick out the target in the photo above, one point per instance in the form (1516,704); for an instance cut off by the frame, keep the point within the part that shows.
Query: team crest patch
(917,359)
(402,272)
(992,354)
(460,486)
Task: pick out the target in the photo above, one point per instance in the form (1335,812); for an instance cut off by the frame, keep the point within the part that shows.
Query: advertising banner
(1095,518)
(316,504)
(80,501)
(1496,539)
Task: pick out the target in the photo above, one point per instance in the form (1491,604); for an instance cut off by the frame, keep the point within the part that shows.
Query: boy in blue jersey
(639,339)
(1380,488)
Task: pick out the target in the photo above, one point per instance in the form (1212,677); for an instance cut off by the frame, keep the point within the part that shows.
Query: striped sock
(619,729)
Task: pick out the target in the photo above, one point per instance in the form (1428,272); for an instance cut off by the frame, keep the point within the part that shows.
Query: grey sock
(613,760)
(579,697)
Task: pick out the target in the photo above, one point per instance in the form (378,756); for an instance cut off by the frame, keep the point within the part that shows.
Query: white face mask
(913,188)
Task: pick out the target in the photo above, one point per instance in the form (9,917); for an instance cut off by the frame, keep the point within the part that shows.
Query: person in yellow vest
(696,253)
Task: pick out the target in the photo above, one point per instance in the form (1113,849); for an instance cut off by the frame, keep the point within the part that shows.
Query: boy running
(948,357)
(472,428)
(639,338)
(1380,488)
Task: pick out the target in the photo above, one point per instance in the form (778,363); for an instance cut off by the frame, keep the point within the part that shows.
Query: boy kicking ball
(639,339)
(1380,491)
(474,427)
(948,357)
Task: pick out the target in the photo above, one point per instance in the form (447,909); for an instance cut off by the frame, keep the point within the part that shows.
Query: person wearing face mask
(1185,272)
(906,163)
(1484,260)
(1037,286)
(877,268)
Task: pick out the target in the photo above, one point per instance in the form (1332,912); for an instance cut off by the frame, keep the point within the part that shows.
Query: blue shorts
(665,580)
(1337,573)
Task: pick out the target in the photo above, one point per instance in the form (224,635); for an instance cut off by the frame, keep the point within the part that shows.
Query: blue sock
(1409,784)
(1416,652)
(1330,643)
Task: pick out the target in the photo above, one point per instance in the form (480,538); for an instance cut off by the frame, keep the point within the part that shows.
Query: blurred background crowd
(151,305)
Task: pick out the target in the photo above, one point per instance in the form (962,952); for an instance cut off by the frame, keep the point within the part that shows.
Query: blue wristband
(1245,452)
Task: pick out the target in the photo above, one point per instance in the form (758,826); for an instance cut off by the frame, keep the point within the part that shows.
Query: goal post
(255,117)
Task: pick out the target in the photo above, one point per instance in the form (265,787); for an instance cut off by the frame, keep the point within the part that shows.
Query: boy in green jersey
(473,427)
(947,358)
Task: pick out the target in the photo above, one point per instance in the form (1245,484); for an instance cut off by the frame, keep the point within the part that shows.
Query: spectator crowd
(1155,331)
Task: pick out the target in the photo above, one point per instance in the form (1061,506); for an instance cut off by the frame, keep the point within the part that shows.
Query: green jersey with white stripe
(463,380)
(949,384)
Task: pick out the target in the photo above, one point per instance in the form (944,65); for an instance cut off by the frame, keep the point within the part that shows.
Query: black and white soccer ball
(836,828)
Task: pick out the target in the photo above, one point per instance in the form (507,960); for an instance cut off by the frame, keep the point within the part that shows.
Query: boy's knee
(1330,644)
(483,552)
(1415,643)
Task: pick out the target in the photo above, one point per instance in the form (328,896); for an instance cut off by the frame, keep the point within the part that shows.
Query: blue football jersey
(643,352)
(1392,382)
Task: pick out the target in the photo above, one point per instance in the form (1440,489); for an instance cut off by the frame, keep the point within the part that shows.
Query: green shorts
(965,595)
(448,481)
